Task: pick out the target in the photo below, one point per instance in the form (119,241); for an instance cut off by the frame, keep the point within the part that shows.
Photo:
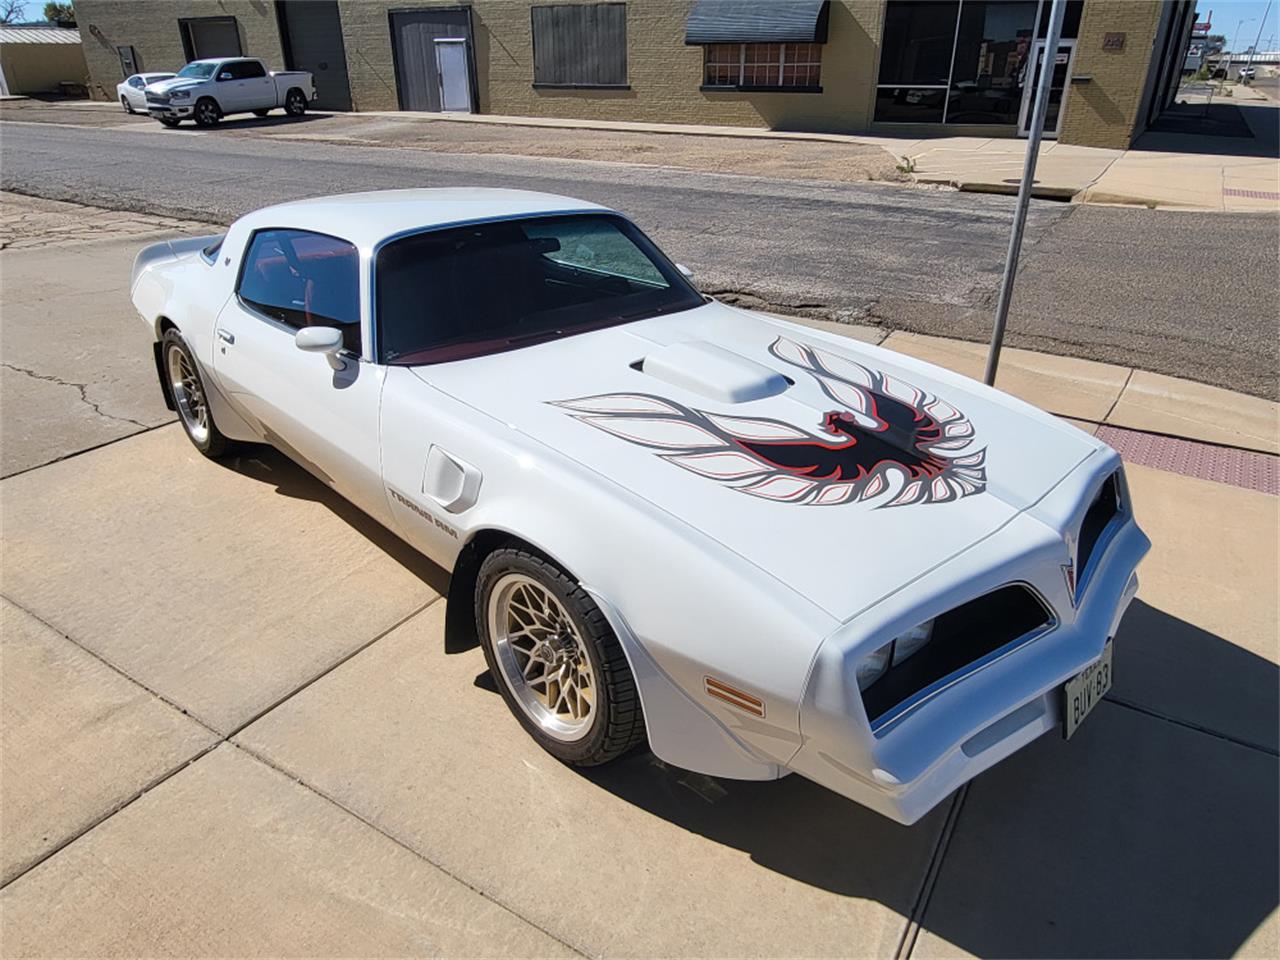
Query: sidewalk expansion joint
(220,738)
(915,919)
(1187,724)
(284,772)
(84,450)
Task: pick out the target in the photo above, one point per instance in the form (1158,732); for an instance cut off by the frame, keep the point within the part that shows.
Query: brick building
(852,66)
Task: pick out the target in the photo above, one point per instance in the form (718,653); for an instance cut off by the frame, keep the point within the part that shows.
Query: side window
(249,69)
(136,83)
(304,279)
(231,70)
(210,253)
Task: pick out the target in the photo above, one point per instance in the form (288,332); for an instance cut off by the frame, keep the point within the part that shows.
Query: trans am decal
(889,441)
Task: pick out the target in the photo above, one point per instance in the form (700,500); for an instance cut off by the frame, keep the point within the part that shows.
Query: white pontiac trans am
(762,548)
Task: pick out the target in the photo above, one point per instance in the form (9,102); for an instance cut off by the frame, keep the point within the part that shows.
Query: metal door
(1057,91)
(455,81)
(313,42)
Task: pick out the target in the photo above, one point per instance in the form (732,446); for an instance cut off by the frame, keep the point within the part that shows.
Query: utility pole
(1056,14)
(1261,23)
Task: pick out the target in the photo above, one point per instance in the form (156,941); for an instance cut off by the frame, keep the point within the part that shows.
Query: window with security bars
(775,65)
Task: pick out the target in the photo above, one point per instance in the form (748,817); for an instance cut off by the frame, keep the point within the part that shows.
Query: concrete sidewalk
(1202,175)
(231,724)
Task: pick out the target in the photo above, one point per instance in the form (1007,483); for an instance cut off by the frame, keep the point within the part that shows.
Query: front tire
(207,112)
(124,102)
(556,661)
(189,398)
(295,104)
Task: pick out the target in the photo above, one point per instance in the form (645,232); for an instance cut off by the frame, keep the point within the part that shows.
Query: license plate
(1085,691)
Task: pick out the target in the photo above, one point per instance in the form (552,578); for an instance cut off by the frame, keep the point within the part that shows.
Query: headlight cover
(180,95)
(873,666)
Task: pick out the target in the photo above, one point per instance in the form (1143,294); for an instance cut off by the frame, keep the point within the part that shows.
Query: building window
(580,45)
(773,66)
(959,61)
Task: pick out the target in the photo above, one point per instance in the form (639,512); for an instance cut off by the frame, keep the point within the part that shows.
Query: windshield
(452,294)
(199,71)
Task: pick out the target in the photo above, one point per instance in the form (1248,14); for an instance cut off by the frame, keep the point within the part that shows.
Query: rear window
(464,292)
(246,69)
(304,279)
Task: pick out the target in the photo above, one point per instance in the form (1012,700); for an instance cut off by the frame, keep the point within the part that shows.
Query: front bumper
(172,111)
(905,770)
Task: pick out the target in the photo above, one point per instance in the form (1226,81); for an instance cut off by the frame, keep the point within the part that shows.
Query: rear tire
(207,112)
(295,103)
(555,659)
(184,384)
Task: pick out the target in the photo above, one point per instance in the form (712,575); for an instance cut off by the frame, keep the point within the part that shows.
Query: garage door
(204,38)
(419,57)
(313,42)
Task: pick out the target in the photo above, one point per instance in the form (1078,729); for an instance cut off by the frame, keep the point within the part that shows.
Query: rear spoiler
(165,251)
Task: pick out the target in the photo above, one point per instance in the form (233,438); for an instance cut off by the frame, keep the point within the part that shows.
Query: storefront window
(963,61)
(993,47)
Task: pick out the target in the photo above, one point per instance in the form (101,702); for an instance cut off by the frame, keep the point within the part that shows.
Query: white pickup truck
(208,90)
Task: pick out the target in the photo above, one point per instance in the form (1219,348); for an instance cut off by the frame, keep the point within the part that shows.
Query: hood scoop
(712,371)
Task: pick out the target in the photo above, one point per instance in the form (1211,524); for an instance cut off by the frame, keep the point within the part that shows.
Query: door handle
(226,336)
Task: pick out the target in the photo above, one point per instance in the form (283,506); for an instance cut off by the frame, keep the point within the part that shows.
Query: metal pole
(1024,188)
(1261,25)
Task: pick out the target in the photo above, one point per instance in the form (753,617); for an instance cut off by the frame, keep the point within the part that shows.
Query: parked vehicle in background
(1248,73)
(760,547)
(130,91)
(208,90)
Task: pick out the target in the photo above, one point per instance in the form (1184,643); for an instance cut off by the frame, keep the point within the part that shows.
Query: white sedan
(131,91)
(761,548)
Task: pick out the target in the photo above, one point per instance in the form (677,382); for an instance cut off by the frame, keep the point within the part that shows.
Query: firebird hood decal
(888,441)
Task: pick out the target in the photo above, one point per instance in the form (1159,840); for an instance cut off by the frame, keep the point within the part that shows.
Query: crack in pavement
(83,389)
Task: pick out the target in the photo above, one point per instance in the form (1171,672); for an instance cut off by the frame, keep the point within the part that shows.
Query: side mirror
(224,76)
(326,340)
(685,272)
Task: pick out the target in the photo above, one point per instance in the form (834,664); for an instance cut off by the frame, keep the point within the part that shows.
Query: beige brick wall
(664,73)
(1104,111)
(151,26)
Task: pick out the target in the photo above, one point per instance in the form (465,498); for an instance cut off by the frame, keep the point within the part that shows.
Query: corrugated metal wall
(580,45)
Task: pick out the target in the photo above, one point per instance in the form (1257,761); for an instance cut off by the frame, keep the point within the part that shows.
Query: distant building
(40,58)
(853,66)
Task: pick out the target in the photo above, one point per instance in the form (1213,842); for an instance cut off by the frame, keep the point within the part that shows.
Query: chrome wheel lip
(188,393)
(552,653)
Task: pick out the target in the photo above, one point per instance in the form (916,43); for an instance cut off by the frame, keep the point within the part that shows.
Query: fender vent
(733,696)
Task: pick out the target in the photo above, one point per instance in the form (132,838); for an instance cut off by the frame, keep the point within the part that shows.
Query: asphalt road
(1192,295)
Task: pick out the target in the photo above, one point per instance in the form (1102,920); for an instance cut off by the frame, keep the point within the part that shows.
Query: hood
(842,469)
(166,87)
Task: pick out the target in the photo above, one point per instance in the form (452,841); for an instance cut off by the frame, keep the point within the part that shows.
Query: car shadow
(273,119)
(1143,836)
(1151,833)
(267,465)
